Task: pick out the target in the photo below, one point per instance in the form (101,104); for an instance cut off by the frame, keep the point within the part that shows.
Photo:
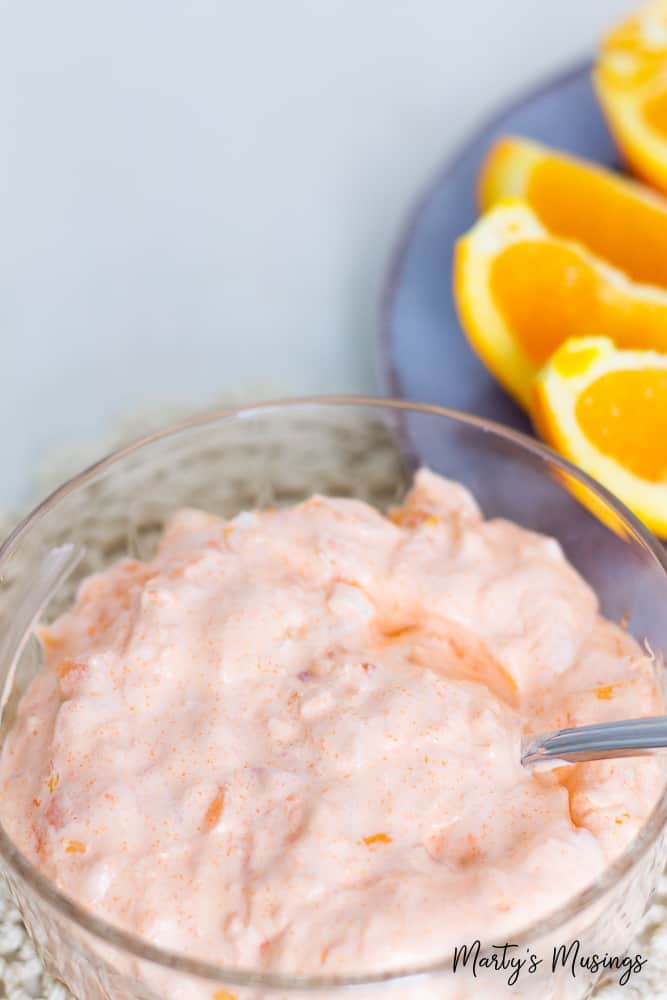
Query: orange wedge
(630,79)
(521,292)
(606,410)
(615,218)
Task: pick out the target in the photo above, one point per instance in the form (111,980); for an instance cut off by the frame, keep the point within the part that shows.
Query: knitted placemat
(22,976)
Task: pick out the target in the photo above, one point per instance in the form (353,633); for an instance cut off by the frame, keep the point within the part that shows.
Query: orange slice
(520,292)
(630,79)
(618,219)
(606,410)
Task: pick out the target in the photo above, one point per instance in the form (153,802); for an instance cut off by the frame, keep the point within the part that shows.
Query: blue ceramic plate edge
(389,377)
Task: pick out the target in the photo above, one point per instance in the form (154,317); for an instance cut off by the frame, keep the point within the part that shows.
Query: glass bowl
(277,454)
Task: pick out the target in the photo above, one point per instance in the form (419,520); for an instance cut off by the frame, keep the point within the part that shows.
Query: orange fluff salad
(290,741)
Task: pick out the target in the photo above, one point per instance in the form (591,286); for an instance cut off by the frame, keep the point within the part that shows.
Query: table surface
(199,196)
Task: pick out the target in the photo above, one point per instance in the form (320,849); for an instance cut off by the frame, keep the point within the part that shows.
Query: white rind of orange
(570,371)
(507,169)
(644,150)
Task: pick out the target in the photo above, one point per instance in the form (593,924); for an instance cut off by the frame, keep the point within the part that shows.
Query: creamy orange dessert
(290,741)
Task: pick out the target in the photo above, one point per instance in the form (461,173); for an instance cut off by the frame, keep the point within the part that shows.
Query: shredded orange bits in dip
(75,847)
(214,811)
(378,838)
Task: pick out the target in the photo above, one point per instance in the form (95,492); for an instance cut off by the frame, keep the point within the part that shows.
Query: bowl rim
(127,941)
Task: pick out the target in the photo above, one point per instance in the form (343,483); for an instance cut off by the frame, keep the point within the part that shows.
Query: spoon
(629,738)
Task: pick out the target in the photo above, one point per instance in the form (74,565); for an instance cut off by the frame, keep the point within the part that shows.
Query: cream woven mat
(21,974)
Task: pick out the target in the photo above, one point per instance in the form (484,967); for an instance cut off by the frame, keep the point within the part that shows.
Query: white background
(196,195)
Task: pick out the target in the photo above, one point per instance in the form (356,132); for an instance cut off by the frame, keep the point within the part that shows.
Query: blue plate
(425,355)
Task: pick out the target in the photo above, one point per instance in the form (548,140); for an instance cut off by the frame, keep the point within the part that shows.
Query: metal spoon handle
(629,738)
